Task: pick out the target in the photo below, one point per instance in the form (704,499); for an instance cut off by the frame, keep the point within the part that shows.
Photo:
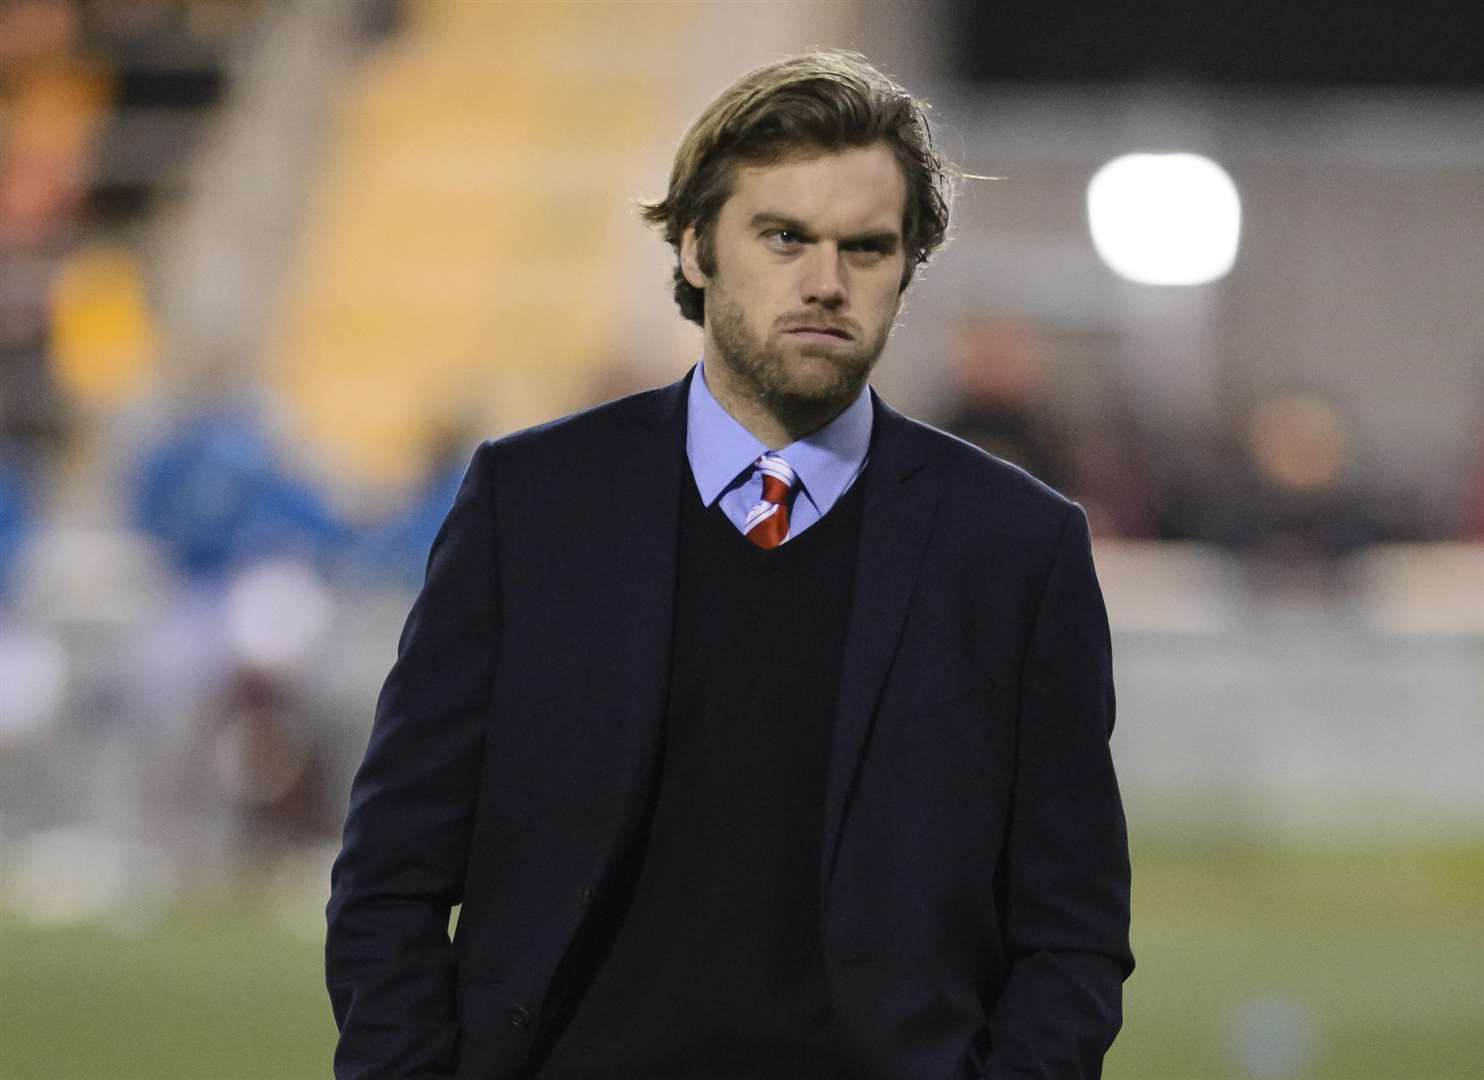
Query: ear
(690,265)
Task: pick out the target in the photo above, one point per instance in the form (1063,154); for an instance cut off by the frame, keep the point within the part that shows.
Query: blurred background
(270,270)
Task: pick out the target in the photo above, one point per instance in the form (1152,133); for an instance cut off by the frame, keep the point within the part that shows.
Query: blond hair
(822,101)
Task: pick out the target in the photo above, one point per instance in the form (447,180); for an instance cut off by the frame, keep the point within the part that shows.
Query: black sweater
(716,969)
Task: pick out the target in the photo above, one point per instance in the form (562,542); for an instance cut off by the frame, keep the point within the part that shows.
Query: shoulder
(588,438)
(610,419)
(975,486)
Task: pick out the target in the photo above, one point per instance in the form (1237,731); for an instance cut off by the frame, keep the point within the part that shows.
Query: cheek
(883,297)
(764,298)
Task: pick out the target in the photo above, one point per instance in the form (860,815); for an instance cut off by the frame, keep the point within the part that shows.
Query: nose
(823,282)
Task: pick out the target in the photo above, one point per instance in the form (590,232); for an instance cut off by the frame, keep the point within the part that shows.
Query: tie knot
(778,478)
(767,522)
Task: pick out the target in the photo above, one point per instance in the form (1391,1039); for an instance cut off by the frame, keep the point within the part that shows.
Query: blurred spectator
(999,373)
(1111,479)
(267,764)
(395,547)
(215,494)
(1287,484)
(1002,405)
(52,101)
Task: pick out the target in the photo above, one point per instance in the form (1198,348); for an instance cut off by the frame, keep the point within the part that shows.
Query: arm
(388,961)
(1066,887)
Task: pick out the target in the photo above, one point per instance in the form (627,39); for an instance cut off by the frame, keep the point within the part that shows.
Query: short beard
(765,369)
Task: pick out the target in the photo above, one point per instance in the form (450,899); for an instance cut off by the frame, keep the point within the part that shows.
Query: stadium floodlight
(1165,219)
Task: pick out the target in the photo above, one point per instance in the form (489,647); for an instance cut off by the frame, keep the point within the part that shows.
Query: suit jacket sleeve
(389,963)
(1066,884)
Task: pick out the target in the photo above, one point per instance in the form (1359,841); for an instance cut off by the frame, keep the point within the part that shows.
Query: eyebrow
(888,239)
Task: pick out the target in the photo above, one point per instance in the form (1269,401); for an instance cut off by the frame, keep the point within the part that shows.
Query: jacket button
(520,1016)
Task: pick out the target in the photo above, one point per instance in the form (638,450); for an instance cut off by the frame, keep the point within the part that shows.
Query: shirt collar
(720,449)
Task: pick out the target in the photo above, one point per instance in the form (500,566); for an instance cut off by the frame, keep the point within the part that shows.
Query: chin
(826,379)
(826,366)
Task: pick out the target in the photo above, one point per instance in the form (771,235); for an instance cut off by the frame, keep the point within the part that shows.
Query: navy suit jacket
(975,865)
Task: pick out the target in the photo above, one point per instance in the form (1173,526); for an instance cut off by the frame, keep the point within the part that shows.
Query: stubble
(800,384)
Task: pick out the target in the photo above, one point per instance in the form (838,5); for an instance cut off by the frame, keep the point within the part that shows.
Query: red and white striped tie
(767,522)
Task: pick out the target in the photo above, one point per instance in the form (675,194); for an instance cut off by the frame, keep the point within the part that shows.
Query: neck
(774,420)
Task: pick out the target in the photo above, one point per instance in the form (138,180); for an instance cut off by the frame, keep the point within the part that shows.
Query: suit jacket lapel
(897,516)
(645,532)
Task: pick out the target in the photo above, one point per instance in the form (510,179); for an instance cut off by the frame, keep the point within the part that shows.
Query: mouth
(821,332)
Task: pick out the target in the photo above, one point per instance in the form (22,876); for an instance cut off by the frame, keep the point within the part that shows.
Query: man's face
(808,271)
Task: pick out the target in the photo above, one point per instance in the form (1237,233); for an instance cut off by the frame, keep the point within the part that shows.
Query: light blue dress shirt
(722,454)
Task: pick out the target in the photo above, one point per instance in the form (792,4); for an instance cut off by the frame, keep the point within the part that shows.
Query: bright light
(1165,219)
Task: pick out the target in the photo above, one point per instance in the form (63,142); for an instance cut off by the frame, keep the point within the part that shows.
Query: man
(760,731)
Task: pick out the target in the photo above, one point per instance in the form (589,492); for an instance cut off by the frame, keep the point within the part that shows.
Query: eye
(782,239)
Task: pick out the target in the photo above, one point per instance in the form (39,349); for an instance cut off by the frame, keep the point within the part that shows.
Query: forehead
(843,192)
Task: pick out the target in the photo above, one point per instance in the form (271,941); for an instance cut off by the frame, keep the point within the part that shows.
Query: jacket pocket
(494,1031)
